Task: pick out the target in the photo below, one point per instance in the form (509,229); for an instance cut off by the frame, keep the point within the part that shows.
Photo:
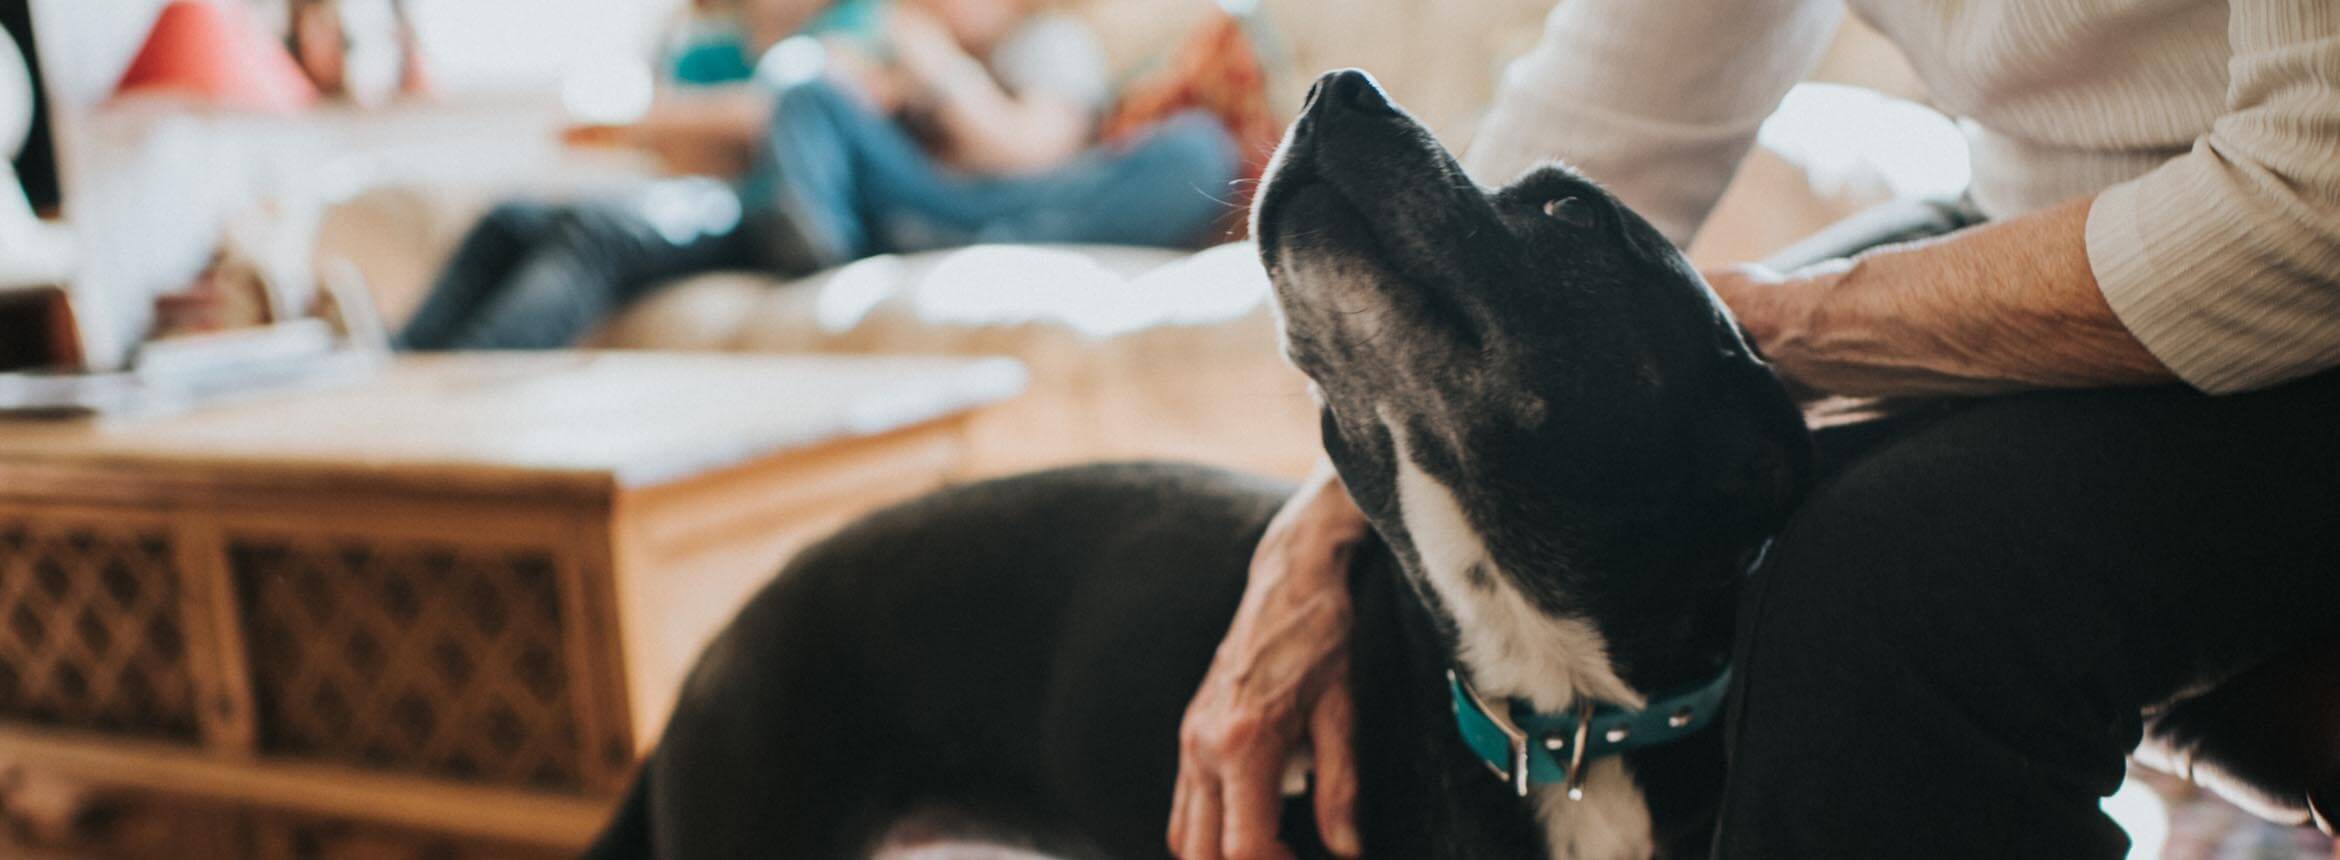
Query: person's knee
(1900,553)
(1841,564)
(1896,629)
(518,218)
(595,231)
(552,228)
(1902,569)
(816,99)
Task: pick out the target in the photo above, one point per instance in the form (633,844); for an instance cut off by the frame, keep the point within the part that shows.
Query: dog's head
(1531,372)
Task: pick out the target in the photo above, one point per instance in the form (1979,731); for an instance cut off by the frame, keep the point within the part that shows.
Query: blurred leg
(482,262)
(857,185)
(1165,189)
(593,258)
(821,151)
(1949,651)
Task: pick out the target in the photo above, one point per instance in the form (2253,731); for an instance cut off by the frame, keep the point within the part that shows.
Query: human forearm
(984,128)
(1007,135)
(987,130)
(1321,521)
(2002,307)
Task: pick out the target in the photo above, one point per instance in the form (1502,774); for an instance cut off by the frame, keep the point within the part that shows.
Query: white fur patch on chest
(1611,822)
(1514,650)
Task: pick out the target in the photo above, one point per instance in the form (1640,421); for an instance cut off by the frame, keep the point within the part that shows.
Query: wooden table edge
(519,816)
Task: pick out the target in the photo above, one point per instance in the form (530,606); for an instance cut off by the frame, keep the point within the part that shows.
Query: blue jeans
(854,184)
(835,182)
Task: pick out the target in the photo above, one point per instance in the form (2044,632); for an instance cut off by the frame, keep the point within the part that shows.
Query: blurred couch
(1133,352)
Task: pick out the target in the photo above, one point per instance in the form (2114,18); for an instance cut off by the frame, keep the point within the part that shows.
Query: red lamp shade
(212,54)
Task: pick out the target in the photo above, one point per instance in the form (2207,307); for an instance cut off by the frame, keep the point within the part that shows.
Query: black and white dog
(1570,457)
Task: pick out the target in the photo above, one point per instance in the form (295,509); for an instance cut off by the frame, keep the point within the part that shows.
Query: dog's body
(1026,683)
(1567,451)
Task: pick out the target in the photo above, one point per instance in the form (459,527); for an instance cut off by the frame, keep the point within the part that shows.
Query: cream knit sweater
(2208,132)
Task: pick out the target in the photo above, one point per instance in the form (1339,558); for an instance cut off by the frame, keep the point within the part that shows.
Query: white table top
(631,418)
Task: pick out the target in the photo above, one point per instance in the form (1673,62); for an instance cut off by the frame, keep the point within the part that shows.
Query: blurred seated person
(934,124)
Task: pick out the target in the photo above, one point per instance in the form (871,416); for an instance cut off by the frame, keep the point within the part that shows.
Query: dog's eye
(1572,211)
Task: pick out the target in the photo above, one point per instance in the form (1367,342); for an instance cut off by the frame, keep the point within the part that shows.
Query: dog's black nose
(1351,89)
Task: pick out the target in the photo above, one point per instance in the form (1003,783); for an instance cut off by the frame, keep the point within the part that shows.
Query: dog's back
(1009,657)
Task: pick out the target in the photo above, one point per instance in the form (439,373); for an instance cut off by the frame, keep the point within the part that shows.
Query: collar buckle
(1500,734)
(1576,768)
(1514,737)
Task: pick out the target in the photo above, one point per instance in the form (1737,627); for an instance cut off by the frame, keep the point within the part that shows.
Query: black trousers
(1949,647)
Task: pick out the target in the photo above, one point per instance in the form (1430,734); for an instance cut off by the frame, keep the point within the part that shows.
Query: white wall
(470,45)
(149,193)
(85,44)
(502,45)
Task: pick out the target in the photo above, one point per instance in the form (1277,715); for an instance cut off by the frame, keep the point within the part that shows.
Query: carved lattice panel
(431,659)
(90,631)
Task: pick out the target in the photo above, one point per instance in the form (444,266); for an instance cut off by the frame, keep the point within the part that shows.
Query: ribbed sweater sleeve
(2225,261)
(1657,100)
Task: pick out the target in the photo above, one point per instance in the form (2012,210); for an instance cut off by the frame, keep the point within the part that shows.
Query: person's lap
(1949,649)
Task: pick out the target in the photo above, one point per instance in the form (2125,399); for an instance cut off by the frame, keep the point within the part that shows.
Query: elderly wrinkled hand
(1279,682)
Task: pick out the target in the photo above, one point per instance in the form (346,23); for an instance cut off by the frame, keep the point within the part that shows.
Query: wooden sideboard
(438,612)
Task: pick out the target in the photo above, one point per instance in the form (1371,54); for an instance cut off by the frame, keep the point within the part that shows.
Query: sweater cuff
(2153,281)
(2124,273)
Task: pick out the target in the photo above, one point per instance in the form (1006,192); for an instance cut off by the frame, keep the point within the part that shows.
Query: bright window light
(1852,139)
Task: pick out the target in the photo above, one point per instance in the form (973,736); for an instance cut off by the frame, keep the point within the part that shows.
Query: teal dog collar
(1527,748)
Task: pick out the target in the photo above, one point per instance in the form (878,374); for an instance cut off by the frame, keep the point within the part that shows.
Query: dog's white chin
(1514,650)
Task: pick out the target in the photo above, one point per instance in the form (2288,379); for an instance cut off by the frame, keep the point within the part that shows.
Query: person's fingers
(1178,802)
(1256,701)
(1331,729)
(1253,797)
(1202,822)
